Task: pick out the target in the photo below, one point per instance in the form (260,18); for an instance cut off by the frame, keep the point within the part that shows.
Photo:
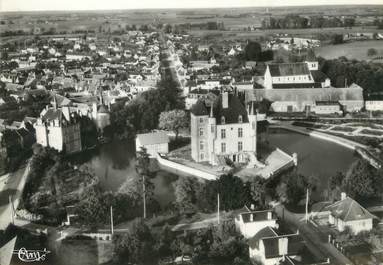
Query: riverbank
(361,149)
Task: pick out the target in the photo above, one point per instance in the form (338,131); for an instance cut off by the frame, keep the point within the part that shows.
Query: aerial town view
(191,132)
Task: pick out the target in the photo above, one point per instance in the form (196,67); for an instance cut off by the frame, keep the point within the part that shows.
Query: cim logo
(31,255)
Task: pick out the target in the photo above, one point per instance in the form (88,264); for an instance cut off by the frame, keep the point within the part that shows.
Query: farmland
(353,50)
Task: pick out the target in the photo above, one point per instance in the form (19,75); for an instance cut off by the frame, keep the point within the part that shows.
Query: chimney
(251,217)
(269,215)
(343,196)
(225,100)
(283,245)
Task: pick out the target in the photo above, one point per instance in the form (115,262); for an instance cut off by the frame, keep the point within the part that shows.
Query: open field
(353,50)
(233,18)
(304,33)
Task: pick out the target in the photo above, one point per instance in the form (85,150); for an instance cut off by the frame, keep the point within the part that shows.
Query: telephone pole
(12,209)
(111,220)
(144,194)
(307,205)
(218,207)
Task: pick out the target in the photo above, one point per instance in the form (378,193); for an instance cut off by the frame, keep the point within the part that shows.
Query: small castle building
(224,130)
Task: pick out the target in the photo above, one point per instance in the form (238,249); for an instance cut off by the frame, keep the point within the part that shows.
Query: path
(11,185)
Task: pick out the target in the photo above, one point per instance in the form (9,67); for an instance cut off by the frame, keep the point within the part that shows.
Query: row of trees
(296,21)
(368,75)
(214,245)
(361,182)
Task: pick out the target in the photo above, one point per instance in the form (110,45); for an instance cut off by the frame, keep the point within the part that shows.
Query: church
(223,130)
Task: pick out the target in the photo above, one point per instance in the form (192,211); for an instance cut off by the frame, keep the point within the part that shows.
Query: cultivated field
(353,50)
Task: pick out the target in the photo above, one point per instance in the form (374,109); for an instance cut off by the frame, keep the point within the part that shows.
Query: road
(316,241)
(11,184)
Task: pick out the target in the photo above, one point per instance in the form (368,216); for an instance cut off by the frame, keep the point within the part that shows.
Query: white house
(374,105)
(250,222)
(156,142)
(349,213)
(328,107)
(269,248)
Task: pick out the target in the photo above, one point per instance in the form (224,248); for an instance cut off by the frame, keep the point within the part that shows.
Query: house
(270,248)
(374,105)
(250,222)
(288,73)
(224,130)
(59,129)
(349,213)
(156,142)
(328,107)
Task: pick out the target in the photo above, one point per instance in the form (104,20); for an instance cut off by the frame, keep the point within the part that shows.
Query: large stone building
(305,99)
(299,87)
(223,130)
(59,129)
(294,75)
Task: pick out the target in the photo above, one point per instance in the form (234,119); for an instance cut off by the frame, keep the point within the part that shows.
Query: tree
(294,186)
(362,181)
(335,186)
(232,192)
(257,191)
(186,191)
(337,39)
(136,246)
(372,52)
(173,120)
(252,51)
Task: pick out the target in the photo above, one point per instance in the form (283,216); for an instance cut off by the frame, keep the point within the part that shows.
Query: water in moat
(114,164)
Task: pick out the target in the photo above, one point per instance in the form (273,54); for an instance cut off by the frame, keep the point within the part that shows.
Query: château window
(240,146)
(223,133)
(200,131)
(223,147)
(223,120)
(200,120)
(240,118)
(201,156)
(201,145)
(240,132)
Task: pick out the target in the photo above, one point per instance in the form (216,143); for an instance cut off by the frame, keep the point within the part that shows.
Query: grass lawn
(343,129)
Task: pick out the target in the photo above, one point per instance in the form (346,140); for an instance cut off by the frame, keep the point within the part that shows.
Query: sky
(36,5)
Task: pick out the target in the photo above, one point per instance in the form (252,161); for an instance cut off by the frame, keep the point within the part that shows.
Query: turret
(211,135)
(253,126)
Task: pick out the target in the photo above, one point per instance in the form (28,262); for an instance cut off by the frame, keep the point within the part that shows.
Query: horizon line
(174,8)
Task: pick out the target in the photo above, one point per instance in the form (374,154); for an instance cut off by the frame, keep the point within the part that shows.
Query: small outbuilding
(155,142)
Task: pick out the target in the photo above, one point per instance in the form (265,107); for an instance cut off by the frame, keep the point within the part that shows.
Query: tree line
(293,21)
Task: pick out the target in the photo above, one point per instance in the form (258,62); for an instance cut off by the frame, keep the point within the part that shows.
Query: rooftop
(349,210)
(288,69)
(153,138)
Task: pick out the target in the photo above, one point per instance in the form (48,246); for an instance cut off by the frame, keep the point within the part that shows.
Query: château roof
(232,113)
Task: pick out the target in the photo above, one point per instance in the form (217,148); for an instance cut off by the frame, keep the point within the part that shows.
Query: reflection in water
(315,156)
(114,164)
